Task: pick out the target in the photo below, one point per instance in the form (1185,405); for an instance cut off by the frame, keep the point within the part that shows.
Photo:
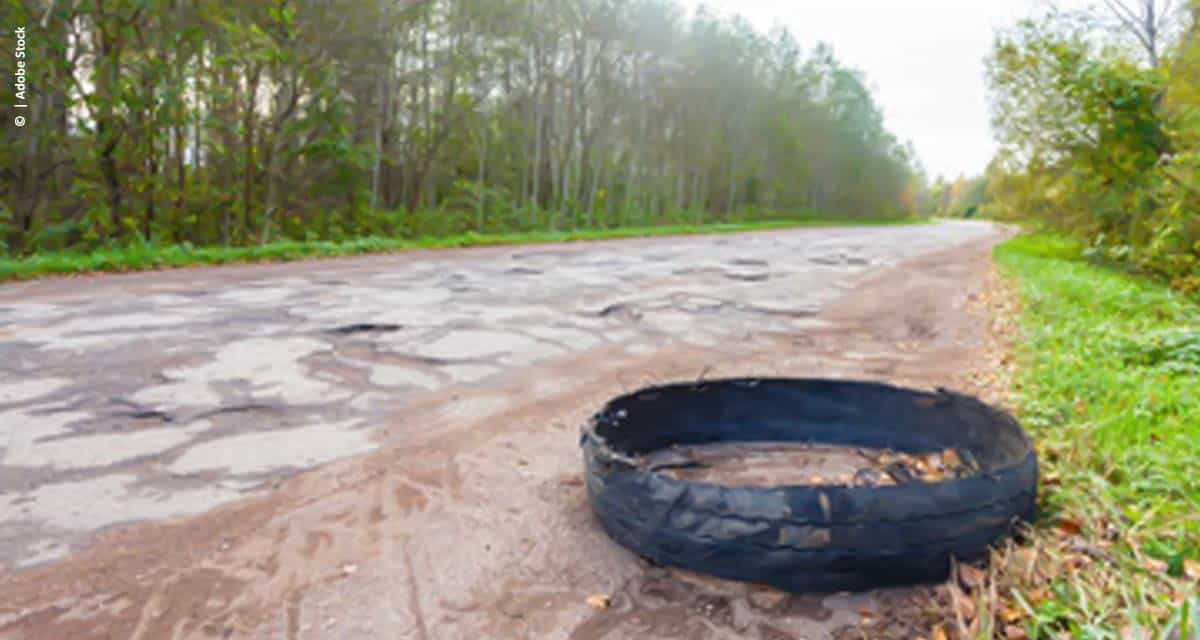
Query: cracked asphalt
(387,446)
(143,397)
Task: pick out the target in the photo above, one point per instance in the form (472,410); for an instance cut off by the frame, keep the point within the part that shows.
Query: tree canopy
(207,122)
(1101,136)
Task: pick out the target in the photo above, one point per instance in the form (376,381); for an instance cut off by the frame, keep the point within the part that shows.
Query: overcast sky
(923,58)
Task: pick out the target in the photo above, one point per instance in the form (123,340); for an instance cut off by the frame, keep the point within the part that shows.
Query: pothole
(364,328)
(748,277)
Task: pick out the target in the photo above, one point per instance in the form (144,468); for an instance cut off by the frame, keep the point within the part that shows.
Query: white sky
(923,58)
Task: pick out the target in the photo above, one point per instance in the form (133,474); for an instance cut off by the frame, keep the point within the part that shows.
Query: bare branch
(1137,26)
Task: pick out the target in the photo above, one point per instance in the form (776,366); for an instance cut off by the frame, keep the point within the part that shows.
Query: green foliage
(1173,351)
(1100,147)
(233,124)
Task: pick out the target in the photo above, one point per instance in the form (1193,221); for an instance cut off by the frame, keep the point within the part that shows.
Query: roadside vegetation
(1098,116)
(1107,381)
(236,125)
(141,256)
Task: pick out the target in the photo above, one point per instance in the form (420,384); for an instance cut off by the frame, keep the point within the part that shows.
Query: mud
(469,519)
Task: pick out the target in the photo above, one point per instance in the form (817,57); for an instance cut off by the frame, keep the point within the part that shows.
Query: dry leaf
(599,601)
(1015,633)
(1191,569)
(1155,565)
(962,602)
(1079,560)
(971,576)
(1068,526)
(940,634)
(1010,614)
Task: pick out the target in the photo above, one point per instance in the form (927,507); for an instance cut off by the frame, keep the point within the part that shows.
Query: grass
(148,256)
(1108,383)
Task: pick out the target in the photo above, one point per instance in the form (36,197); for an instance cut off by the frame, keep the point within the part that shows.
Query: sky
(922,58)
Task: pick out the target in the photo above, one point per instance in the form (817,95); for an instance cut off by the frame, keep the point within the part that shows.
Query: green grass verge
(1108,384)
(147,257)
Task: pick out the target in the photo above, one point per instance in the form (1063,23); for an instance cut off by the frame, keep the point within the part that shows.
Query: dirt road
(444,390)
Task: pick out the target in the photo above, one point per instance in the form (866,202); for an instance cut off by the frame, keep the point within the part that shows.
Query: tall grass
(1109,386)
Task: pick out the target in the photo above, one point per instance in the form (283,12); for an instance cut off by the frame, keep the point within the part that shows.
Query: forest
(1098,116)
(206,123)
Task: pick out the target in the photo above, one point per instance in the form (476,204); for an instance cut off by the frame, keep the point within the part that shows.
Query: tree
(1093,142)
(209,122)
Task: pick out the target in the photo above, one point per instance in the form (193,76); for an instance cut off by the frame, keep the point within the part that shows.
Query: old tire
(808,538)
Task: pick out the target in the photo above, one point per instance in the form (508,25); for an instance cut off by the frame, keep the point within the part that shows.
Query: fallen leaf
(1080,560)
(599,601)
(1068,526)
(1155,565)
(1010,614)
(1015,633)
(1191,569)
(971,576)
(940,634)
(962,602)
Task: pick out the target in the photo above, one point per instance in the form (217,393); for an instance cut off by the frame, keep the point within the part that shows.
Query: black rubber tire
(808,538)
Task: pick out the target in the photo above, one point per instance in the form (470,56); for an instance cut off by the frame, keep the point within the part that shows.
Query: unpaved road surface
(436,398)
